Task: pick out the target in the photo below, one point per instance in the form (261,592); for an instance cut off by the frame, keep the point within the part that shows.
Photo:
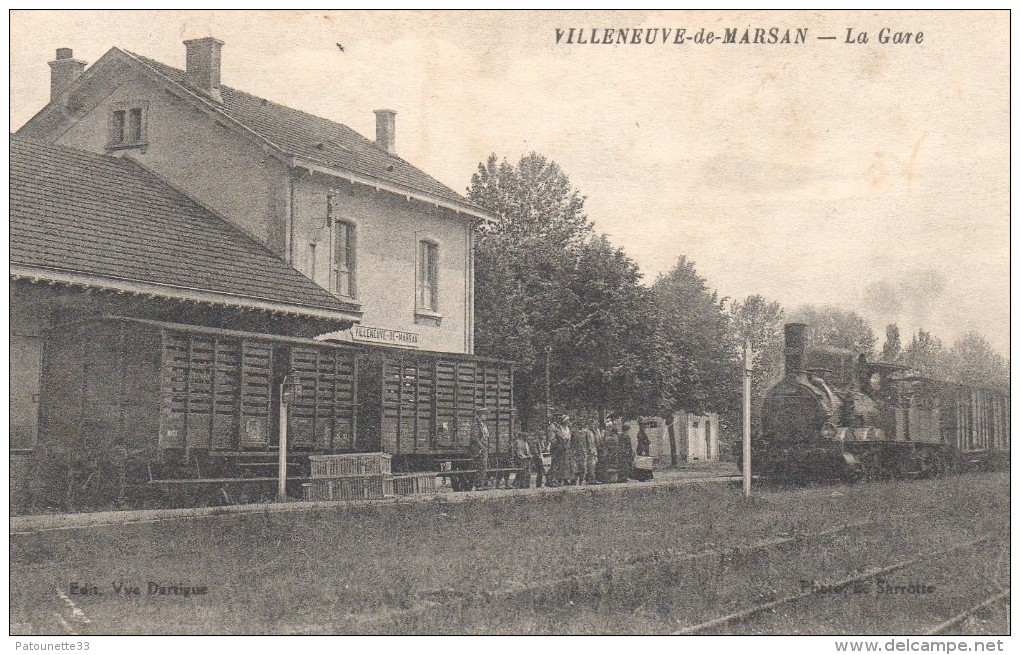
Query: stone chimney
(385,129)
(203,65)
(64,70)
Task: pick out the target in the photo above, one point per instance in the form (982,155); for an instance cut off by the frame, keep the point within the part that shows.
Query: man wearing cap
(561,470)
(522,458)
(593,436)
(538,445)
(479,448)
(579,452)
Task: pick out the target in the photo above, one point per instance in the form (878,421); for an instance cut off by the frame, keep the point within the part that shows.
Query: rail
(751,612)
(962,616)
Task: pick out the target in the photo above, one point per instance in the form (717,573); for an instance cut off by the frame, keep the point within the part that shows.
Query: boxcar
(125,399)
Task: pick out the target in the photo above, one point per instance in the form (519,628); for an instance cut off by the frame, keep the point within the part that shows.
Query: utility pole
(281,490)
(548,387)
(290,389)
(747,419)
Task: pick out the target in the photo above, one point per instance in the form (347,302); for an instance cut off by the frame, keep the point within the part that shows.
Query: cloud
(740,173)
(914,297)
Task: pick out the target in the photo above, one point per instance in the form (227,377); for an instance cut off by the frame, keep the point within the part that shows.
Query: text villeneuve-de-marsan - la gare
(728,35)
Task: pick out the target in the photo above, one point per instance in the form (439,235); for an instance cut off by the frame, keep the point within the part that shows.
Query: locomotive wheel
(935,465)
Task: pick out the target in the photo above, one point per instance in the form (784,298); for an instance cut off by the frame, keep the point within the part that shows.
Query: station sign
(369,334)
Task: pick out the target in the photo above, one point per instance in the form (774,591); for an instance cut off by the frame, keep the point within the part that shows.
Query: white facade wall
(286,210)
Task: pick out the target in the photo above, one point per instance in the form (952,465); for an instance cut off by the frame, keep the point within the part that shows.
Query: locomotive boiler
(836,416)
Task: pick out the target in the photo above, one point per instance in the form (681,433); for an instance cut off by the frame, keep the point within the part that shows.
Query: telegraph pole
(290,389)
(747,419)
(548,387)
(281,491)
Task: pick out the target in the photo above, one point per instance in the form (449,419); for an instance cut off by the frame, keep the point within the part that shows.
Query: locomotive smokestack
(794,352)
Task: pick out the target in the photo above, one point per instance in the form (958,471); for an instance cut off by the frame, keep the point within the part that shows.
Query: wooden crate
(372,487)
(414,483)
(353,464)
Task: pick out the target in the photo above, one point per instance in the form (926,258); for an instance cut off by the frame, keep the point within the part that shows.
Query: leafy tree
(926,355)
(977,363)
(704,373)
(545,280)
(761,322)
(606,336)
(833,327)
(533,199)
(891,348)
(502,326)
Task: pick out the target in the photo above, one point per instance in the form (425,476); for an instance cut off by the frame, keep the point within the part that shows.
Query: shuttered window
(127,127)
(343,260)
(428,276)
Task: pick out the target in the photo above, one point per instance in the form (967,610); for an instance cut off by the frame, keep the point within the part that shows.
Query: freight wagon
(129,402)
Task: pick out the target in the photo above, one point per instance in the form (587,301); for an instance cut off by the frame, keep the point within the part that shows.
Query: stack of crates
(410,484)
(355,476)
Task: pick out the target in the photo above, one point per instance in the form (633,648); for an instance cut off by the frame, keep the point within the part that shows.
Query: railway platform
(709,473)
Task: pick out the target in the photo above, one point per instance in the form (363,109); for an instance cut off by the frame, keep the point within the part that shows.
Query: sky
(873,177)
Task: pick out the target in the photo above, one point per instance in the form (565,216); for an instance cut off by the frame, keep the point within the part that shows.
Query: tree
(502,326)
(975,362)
(532,200)
(545,280)
(891,348)
(695,328)
(927,356)
(833,327)
(605,339)
(761,322)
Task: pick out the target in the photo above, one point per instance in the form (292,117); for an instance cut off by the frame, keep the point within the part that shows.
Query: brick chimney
(385,129)
(64,70)
(203,65)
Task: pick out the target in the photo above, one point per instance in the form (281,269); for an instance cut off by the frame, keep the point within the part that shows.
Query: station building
(147,191)
(95,235)
(388,242)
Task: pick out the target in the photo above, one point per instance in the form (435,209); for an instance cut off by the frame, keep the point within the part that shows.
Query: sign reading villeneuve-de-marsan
(383,335)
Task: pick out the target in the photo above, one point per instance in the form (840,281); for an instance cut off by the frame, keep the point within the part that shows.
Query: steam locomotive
(837,416)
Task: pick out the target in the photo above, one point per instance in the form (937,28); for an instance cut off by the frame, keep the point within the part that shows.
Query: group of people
(586,453)
(581,454)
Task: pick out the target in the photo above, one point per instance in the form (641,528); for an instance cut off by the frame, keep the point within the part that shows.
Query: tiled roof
(317,139)
(73,212)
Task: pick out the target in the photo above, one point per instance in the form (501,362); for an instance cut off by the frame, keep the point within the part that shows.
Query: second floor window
(343,260)
(428,276)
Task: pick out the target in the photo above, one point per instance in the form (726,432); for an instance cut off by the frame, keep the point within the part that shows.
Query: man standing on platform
(479,448)
(522,459)
(538,446)
(592,438)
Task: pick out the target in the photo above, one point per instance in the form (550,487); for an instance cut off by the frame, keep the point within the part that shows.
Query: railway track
(752,612)
(718,569)
(609,591)
(945,626)
(595,583)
